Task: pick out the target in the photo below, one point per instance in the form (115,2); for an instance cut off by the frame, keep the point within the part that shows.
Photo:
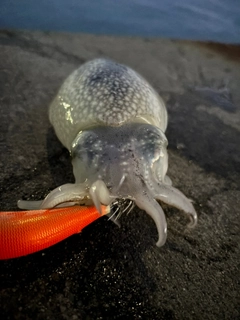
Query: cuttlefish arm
(71,194)
(177,199)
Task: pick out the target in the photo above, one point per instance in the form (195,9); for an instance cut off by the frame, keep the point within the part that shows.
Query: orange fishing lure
(25,232)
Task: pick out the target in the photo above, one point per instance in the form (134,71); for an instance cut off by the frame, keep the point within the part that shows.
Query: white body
(113,123)
(102,92)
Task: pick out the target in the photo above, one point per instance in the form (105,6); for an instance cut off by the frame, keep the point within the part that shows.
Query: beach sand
(108,272)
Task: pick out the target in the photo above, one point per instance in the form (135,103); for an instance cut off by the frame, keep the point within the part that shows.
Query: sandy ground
(111,273)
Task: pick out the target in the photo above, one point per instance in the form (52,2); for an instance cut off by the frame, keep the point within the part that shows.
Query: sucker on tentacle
(113,124)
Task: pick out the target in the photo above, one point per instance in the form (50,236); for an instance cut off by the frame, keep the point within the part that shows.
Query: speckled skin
(113,123)
(103,92)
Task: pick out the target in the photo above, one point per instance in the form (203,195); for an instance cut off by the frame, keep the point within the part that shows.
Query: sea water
(216,20)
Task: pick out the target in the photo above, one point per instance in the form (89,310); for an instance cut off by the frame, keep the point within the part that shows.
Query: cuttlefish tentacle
(99,194)
(70,194)
(64,195)
(152,207)
(177,199)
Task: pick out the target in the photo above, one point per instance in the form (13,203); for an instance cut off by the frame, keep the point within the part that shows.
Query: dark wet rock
(107,272)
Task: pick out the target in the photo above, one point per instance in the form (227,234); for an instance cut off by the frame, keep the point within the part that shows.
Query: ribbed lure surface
(25,232)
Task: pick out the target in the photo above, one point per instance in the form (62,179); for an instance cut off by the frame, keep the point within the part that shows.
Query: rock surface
(107,272)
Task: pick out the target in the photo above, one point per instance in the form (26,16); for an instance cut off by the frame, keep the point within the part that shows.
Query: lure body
(113,124)
(25,232)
